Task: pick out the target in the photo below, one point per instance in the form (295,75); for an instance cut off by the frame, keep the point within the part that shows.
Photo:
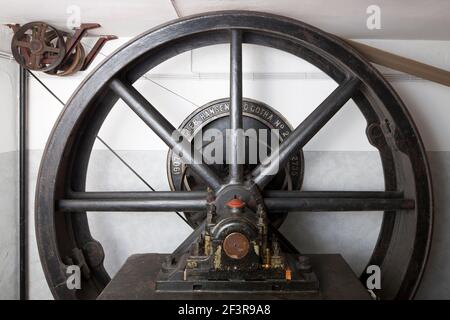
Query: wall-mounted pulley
(39,46)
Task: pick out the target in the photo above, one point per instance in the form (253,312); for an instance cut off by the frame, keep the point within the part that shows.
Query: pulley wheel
(32,48)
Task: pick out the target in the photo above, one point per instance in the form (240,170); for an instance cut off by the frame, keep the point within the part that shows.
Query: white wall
(9,256)
(290,85)
(8,106)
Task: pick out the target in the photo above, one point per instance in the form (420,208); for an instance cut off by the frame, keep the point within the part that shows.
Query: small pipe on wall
(23,97)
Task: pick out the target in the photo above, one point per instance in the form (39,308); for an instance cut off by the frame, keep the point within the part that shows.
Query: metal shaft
(236,125)
(337,204)
(133,205)
(274,200)
(23,96)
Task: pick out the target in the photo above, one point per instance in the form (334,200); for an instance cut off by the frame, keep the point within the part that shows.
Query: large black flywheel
(62,226)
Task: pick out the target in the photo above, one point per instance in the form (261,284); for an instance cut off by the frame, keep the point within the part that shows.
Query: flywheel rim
(92,100)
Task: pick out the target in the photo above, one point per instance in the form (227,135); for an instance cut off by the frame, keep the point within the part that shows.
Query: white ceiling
(400,19)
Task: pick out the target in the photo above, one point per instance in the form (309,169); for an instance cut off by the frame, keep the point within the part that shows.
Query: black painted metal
(23,96)
(131,205)
(236,123)
(305,131)
(334,194)
(172,195)
(136,280)
(274,200)
(164,130)
(187,205)
(119,157)
(405,236)
(256,116)
(337,204)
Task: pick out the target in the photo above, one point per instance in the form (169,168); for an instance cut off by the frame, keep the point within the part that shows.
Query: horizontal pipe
(333,194)
(133,205)
(148,195)
(274,200)
(236,174)
(337,204)
(23,185)
(202,194)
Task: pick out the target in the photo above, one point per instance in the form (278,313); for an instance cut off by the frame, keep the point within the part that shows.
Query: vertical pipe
(23,95)
(236,169)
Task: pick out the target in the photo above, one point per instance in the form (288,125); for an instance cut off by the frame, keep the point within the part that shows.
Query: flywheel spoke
(337,201)
(264,172)
(164,129)
(133,201)
(274,200)
(236,125)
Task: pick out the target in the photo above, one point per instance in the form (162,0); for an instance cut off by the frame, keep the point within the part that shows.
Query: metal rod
(132,205)
(236,125)
(23,96)
(126,164)
(46,88)
(134,201)
(334,194)
(264,172)
(275,204)
(266,194)
(338,204)
(95,50)
(175,8)
(164,129)
(186,244)
(148,195)
(274,200)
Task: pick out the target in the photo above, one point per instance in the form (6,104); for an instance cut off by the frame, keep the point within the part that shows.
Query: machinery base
(137,280)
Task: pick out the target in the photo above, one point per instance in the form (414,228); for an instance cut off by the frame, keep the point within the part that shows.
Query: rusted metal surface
(95,50)
(41,47)
(38,46)
(72,64)
(236,245)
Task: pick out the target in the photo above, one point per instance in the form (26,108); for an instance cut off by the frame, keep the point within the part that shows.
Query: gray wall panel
(9,237)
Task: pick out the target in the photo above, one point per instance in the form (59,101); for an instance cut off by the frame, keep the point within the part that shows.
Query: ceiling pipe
(396,62)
